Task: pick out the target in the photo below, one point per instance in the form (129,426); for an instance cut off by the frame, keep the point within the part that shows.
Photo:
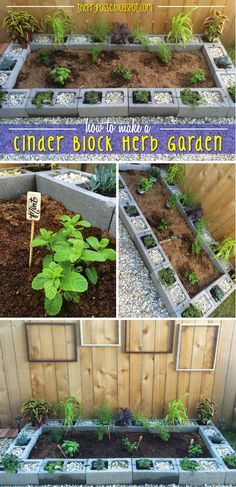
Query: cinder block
(203,109)
(53,109)
(202,477)
(14,111)
(154,475)
(63,477)
(13,186)
(191,46)
(152,108)
(46,109)
(103,109)
(21,478)
(204,302)
(165,293)
(110,475)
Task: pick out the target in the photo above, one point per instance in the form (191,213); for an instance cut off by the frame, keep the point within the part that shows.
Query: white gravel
(225,285)
(228,79)
(212,97)
(13,99)
(162,97)
(155,256)
(176,293)
(137,294)
(3,78)
(216,51)
(114,97)
(65,98)
(72,177)
(79,39)
(42,39)
(203,304)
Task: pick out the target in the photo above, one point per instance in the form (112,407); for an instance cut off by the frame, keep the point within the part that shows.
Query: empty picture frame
(203,339)
(96,326)
(51,342)
(158,332)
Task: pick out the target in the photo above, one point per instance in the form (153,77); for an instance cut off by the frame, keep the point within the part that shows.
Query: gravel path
(137,295)
(117,157)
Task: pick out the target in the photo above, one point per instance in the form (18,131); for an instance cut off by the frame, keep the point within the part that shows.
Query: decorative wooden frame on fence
(169,345)
(83,344)
(71,324)
(181,326)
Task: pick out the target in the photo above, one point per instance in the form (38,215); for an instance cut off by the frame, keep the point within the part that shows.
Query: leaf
(109,254)
(84,223)
(45,233)
(92,275)
(64,218)
(39,242)
(104,243)
(53,306)
(38,282)
(64,253)
(93,242)
(93,256)
(73,281)
(51,288)
(47,261)
(70,296)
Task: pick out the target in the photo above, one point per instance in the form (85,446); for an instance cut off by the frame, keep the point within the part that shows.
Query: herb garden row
(190,270)
(114,72)
(73,272)
(121,448)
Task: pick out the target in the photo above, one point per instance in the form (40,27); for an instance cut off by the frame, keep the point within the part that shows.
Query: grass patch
(226,309)
(230,436)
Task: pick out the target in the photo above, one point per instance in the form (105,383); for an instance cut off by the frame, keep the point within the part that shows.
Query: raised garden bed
(164,238)
(38,465)
(17,296)
(115,95)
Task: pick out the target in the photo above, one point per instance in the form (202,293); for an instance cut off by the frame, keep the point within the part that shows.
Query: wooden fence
(156,19)
(214,187)
(140,373)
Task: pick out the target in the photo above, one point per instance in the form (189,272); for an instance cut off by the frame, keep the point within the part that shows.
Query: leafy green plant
(22,439)
(230,461)
(60,75)
(7,63)
(71,410)
(162,431)
(95,53)
(214,26)
(175,174)
(144,184)
(195,450)
(191,465)
(20,26)
(163,224)
(216,438)
(43,98)
(70,448)
(189,97)
(187,199)
(99,31)
(232,91)
(102,430)
(149,241)
(51,467)
(182,28)
(197,76)
(223,62)
(141,420)
(192,277)
(36,411)
(56,435)
(177,413)
(224,250)
(172,200)
(99,464)
(198,241)
(144,464)
(59,24)
(163,52)
(103,181)
(192,312)
(131,446)
(2,95)
(139,37)
(70,256)
(104,414)
(123,72)
(93,97)
(167,276)
(206,410)
(10,463)
(154,173)
(131,210)
(141,96)
(46,57)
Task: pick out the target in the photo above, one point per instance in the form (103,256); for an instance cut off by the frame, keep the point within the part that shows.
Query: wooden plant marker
(33,211)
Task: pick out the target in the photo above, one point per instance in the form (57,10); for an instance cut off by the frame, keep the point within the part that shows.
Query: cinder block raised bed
(165,108)
(163,471)
(23,475)
(204,109)
(53,108)
(12,186)
(60,477)
(112,474)
(104,108)
(205,475)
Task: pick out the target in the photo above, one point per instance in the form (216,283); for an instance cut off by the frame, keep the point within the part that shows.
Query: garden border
(127,475)
(127,107)
(204,297)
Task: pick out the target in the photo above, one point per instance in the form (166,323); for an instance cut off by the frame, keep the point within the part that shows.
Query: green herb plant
(131,210)
(172,200)
(36,411)
(224,250)
(195,450)
(192,312)
(141,420)
(60,75)
(46,57)
(163,225)
(95,53)
(99,31)
(162,431)
(70,448)
(92,97)
(163,52)
(56,435)
(59,24)
(10,463)
(43,98)
(144,464)
(177,413)
(123,72)
(232,91)
(198,241)
(103,181)
(7,63)
(191,465)
(182,28)
(189,97)
(206,410)
(192,277)
(71,410)
(142,96)
(214,26)
(145,184)
(102,430)
(216,438)
(22,439)
(130,446)
(197,76)
(154,173)
(149,241)
(175,174)
(21,26)
(223,62)
(2,95)
(230,461)
(104,414)
(167,276)
(141,38)
(68,268)
(99,464)
(51,467)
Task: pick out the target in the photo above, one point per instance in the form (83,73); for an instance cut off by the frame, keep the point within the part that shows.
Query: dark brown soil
(90,447)
(179,252)
(17,298)
(147,70)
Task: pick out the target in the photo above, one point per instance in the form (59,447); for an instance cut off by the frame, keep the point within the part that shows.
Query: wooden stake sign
(33,209)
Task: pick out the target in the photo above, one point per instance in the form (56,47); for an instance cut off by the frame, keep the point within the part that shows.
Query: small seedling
(194,450)
(56,435)
(70,448)
(51,467)
(189,97)
(198,241)
(43,98)
(162,431)
(93,97)
(172,200)
(141,420)
(139,37)
(104,414)
(230,461)
(95,53)
(232,91)
(131,210)
(144,464)
(154,173)
(2,94)
(197,76)
(141,96)
(99,464)
(163,225)
(22,439)
(10,463)
(99,31)
(191,465)
(7,63)
(192,312)
(46,57)
(192,277)
(149,241)
(216,438)
(145,185)
(102,430)
(167,276)
(163,53)
(123,72)
(60,75)
(131,447)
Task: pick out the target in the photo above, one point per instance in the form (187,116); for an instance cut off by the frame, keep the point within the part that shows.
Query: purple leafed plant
(195,213)
(120,34)
(124,417)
